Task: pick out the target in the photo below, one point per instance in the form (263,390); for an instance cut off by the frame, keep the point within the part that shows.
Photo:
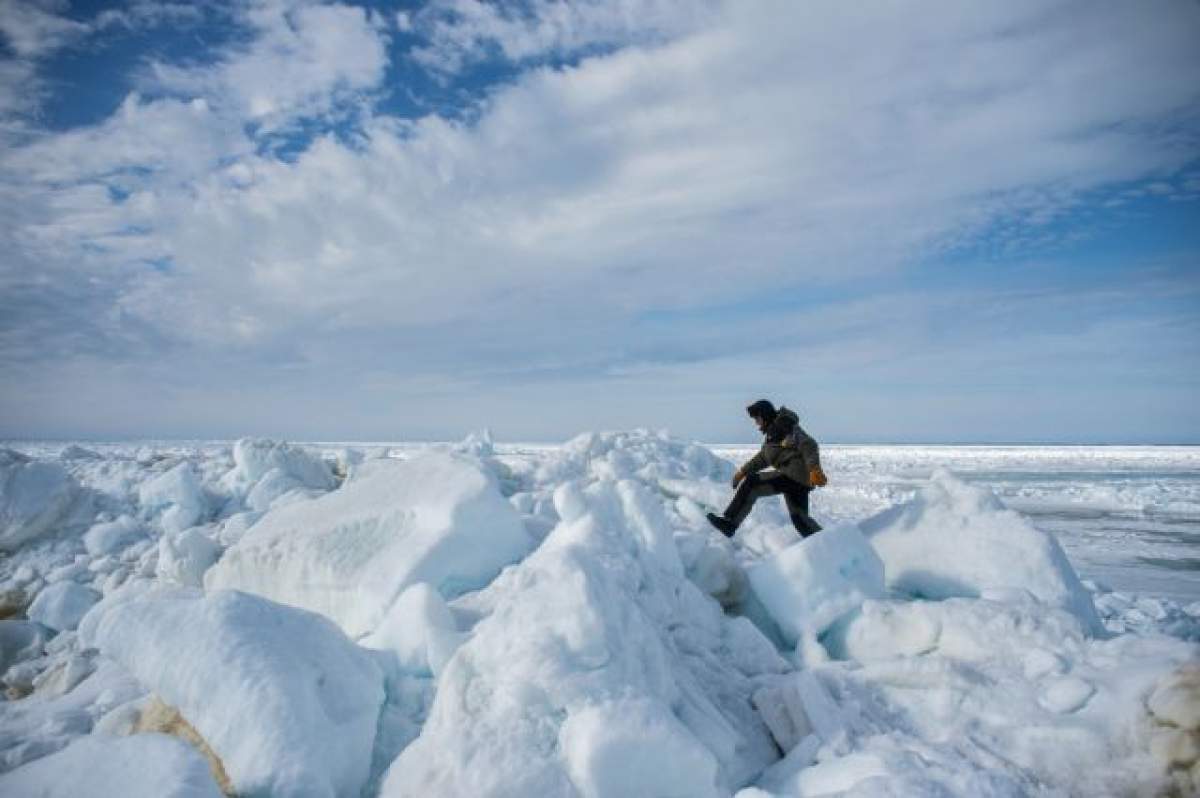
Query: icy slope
(600,671)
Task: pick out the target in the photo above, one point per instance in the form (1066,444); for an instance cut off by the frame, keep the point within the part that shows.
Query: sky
(911,222)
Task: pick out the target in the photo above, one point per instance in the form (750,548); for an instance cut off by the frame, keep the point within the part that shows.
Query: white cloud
(462,32)
(34,29)
(770,148)
(303,59)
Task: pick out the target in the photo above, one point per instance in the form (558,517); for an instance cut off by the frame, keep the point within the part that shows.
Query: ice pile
(489,621)
(599,670)
(266,472)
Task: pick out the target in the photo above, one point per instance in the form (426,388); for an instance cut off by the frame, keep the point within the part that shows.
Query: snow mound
(142,765)
(957,540)
(177,495)
(811,584)
(62,605)
(596,654)
(266,470)
(348,555)
(284,699)
(34,496)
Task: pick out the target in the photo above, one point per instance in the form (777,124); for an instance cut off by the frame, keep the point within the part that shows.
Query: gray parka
(787,448)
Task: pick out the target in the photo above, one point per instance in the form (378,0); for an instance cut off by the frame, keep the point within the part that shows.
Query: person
(795,462)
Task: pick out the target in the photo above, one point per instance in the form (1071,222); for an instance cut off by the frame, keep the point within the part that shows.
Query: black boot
(726,527)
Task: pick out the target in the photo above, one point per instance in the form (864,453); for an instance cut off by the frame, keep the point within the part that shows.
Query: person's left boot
(723,524)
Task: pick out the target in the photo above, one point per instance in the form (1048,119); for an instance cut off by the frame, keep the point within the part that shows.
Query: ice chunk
(142,765)
(419,630)
(635,748)
(184,556)
(284,699)
(437,518)
(254,457)
(20,640)
(61,605)
(111,536)
(265,470)
(809,585)
(177,495)
(958,540)
(34,496)
(77,452)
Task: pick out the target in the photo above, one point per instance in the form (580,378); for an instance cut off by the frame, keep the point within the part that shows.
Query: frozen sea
(372,618)
(1128,516)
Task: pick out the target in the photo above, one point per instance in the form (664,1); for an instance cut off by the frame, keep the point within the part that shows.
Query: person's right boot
(723,524)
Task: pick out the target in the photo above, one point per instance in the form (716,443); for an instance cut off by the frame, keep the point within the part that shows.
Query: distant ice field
(1128,516)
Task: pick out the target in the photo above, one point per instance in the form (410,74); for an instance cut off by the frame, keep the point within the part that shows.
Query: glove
(738,476)
(816,477)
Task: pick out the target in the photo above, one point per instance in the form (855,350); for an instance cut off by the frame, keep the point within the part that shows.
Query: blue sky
(945,223)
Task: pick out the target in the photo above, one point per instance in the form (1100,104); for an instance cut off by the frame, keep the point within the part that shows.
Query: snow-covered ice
(811,584)
(286,701)
(492,619)
(958,540)
(61,605)
(349,554)
(34,494)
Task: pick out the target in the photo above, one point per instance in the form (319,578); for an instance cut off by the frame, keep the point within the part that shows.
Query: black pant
(772,483)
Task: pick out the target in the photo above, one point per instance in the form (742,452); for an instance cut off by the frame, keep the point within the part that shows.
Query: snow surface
(493,619)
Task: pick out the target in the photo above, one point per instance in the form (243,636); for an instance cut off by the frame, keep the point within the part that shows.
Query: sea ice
(635,748)
(957,540)
(348,555)
(34,496)
(264,471)
(111,536)
(176,497)
(285,700)
(809,585)
(184,556)
(594,619)
(100,765)
(419,630)
(61,605)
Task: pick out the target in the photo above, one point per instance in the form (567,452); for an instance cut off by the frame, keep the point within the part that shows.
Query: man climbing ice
(796,462)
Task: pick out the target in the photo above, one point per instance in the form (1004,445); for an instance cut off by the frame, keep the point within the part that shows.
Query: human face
(760,422)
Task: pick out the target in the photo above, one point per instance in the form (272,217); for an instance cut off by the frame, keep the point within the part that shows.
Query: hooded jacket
(787,448)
